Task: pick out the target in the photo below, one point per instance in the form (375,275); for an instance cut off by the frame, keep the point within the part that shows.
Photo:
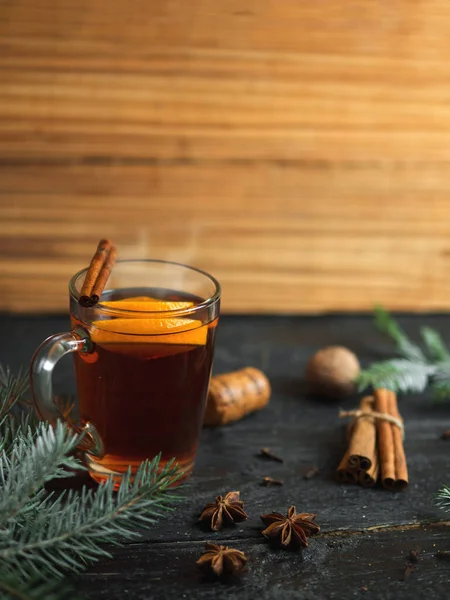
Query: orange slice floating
(147,304)
(186,332)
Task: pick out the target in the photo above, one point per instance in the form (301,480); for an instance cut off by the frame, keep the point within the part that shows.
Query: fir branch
(399,375)
(12,390)
(44,535)
(417,369)
(13,427)
(13,588)
(436,348)
(386,324)
(34,459)
(68,532)
(443,498)
(17,414)
(441,389)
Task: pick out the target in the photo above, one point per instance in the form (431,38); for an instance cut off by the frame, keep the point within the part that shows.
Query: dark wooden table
(366,535)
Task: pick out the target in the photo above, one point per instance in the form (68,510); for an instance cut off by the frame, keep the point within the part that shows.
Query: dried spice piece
(266,453)
(268,481)
(224,510)
(311,472)
(222,561)
(445,435)
(290,530)
(414,555)
(409,568)
(413,558)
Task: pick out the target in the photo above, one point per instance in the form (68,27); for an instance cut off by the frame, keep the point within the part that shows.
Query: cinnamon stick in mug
(394,471)
(97,275)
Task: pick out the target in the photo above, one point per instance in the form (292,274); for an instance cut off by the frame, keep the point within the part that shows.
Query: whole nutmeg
(331,372)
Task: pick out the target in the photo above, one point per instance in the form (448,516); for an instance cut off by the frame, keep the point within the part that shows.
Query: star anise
(291,530)
(229,510)
(221,561)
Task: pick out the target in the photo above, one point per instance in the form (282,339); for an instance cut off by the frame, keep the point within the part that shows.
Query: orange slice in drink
(186,332)
(147,304)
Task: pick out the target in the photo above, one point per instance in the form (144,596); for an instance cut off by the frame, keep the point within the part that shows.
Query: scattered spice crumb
(268,481)
(311,472)
(445,435)
(364,588)
(409,568)
(266,453)
(414,554)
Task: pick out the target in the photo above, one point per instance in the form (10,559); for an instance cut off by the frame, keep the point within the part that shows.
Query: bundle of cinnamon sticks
(375,444)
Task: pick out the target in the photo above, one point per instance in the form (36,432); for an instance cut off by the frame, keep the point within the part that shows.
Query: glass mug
(143,358)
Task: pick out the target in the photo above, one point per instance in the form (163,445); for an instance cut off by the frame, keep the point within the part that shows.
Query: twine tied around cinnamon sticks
(358,414)
(375,444)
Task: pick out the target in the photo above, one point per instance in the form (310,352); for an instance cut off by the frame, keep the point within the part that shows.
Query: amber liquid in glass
(145,398)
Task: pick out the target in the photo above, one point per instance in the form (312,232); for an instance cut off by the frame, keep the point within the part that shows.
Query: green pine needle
(399,375)
(13,588)
(35,458)
(441,389)
(12,390)
(443,499)
(436,348)
(405,347)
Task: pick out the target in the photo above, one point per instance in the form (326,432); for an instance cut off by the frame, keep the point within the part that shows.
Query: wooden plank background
(300,151)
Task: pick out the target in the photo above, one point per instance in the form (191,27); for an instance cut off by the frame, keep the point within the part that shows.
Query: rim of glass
(125,311)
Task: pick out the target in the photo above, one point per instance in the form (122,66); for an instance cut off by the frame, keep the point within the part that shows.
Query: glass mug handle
(42,364)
